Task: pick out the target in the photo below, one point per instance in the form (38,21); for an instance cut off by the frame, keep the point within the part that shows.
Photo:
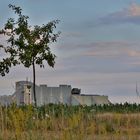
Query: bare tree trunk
(34,82)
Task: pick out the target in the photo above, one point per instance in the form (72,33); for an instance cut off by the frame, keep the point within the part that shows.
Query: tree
(27,45)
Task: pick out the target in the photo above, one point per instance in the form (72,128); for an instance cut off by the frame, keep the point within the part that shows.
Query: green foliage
(27,44)
(69,122)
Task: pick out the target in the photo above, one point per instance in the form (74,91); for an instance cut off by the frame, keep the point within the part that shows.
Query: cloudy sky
(98,50)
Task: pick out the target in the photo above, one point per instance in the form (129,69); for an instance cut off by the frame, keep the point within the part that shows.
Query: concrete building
(23,93)
(63,94)
(44,94)
(6,100)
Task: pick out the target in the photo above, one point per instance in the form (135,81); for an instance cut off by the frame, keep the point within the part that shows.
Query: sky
(98,50)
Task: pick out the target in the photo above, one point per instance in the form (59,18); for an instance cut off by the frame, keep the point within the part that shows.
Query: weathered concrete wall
(6,100)
(55,95)
(44,94)
(61,94)
(89,99)
(100,100)
(21,92)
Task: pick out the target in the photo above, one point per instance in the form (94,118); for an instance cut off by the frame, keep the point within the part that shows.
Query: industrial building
(63,94)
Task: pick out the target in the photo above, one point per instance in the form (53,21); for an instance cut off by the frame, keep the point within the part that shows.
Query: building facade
(63,94)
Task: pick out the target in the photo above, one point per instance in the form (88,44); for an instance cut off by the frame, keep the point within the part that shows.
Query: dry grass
(27,124)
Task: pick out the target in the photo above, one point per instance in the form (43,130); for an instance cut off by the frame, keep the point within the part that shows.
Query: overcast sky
(98,50)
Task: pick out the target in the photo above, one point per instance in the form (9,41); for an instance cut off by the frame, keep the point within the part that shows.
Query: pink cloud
(134,10)
(103,53)
(112,49)
(134,63)
(130,14)
(133,53)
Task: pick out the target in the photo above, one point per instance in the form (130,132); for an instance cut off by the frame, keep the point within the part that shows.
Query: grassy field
(61,122)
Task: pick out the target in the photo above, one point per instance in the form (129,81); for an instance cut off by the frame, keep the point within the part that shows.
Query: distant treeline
(58,110)
(68,110)
(118,108)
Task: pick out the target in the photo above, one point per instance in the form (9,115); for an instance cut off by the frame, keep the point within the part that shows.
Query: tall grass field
(62,122)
